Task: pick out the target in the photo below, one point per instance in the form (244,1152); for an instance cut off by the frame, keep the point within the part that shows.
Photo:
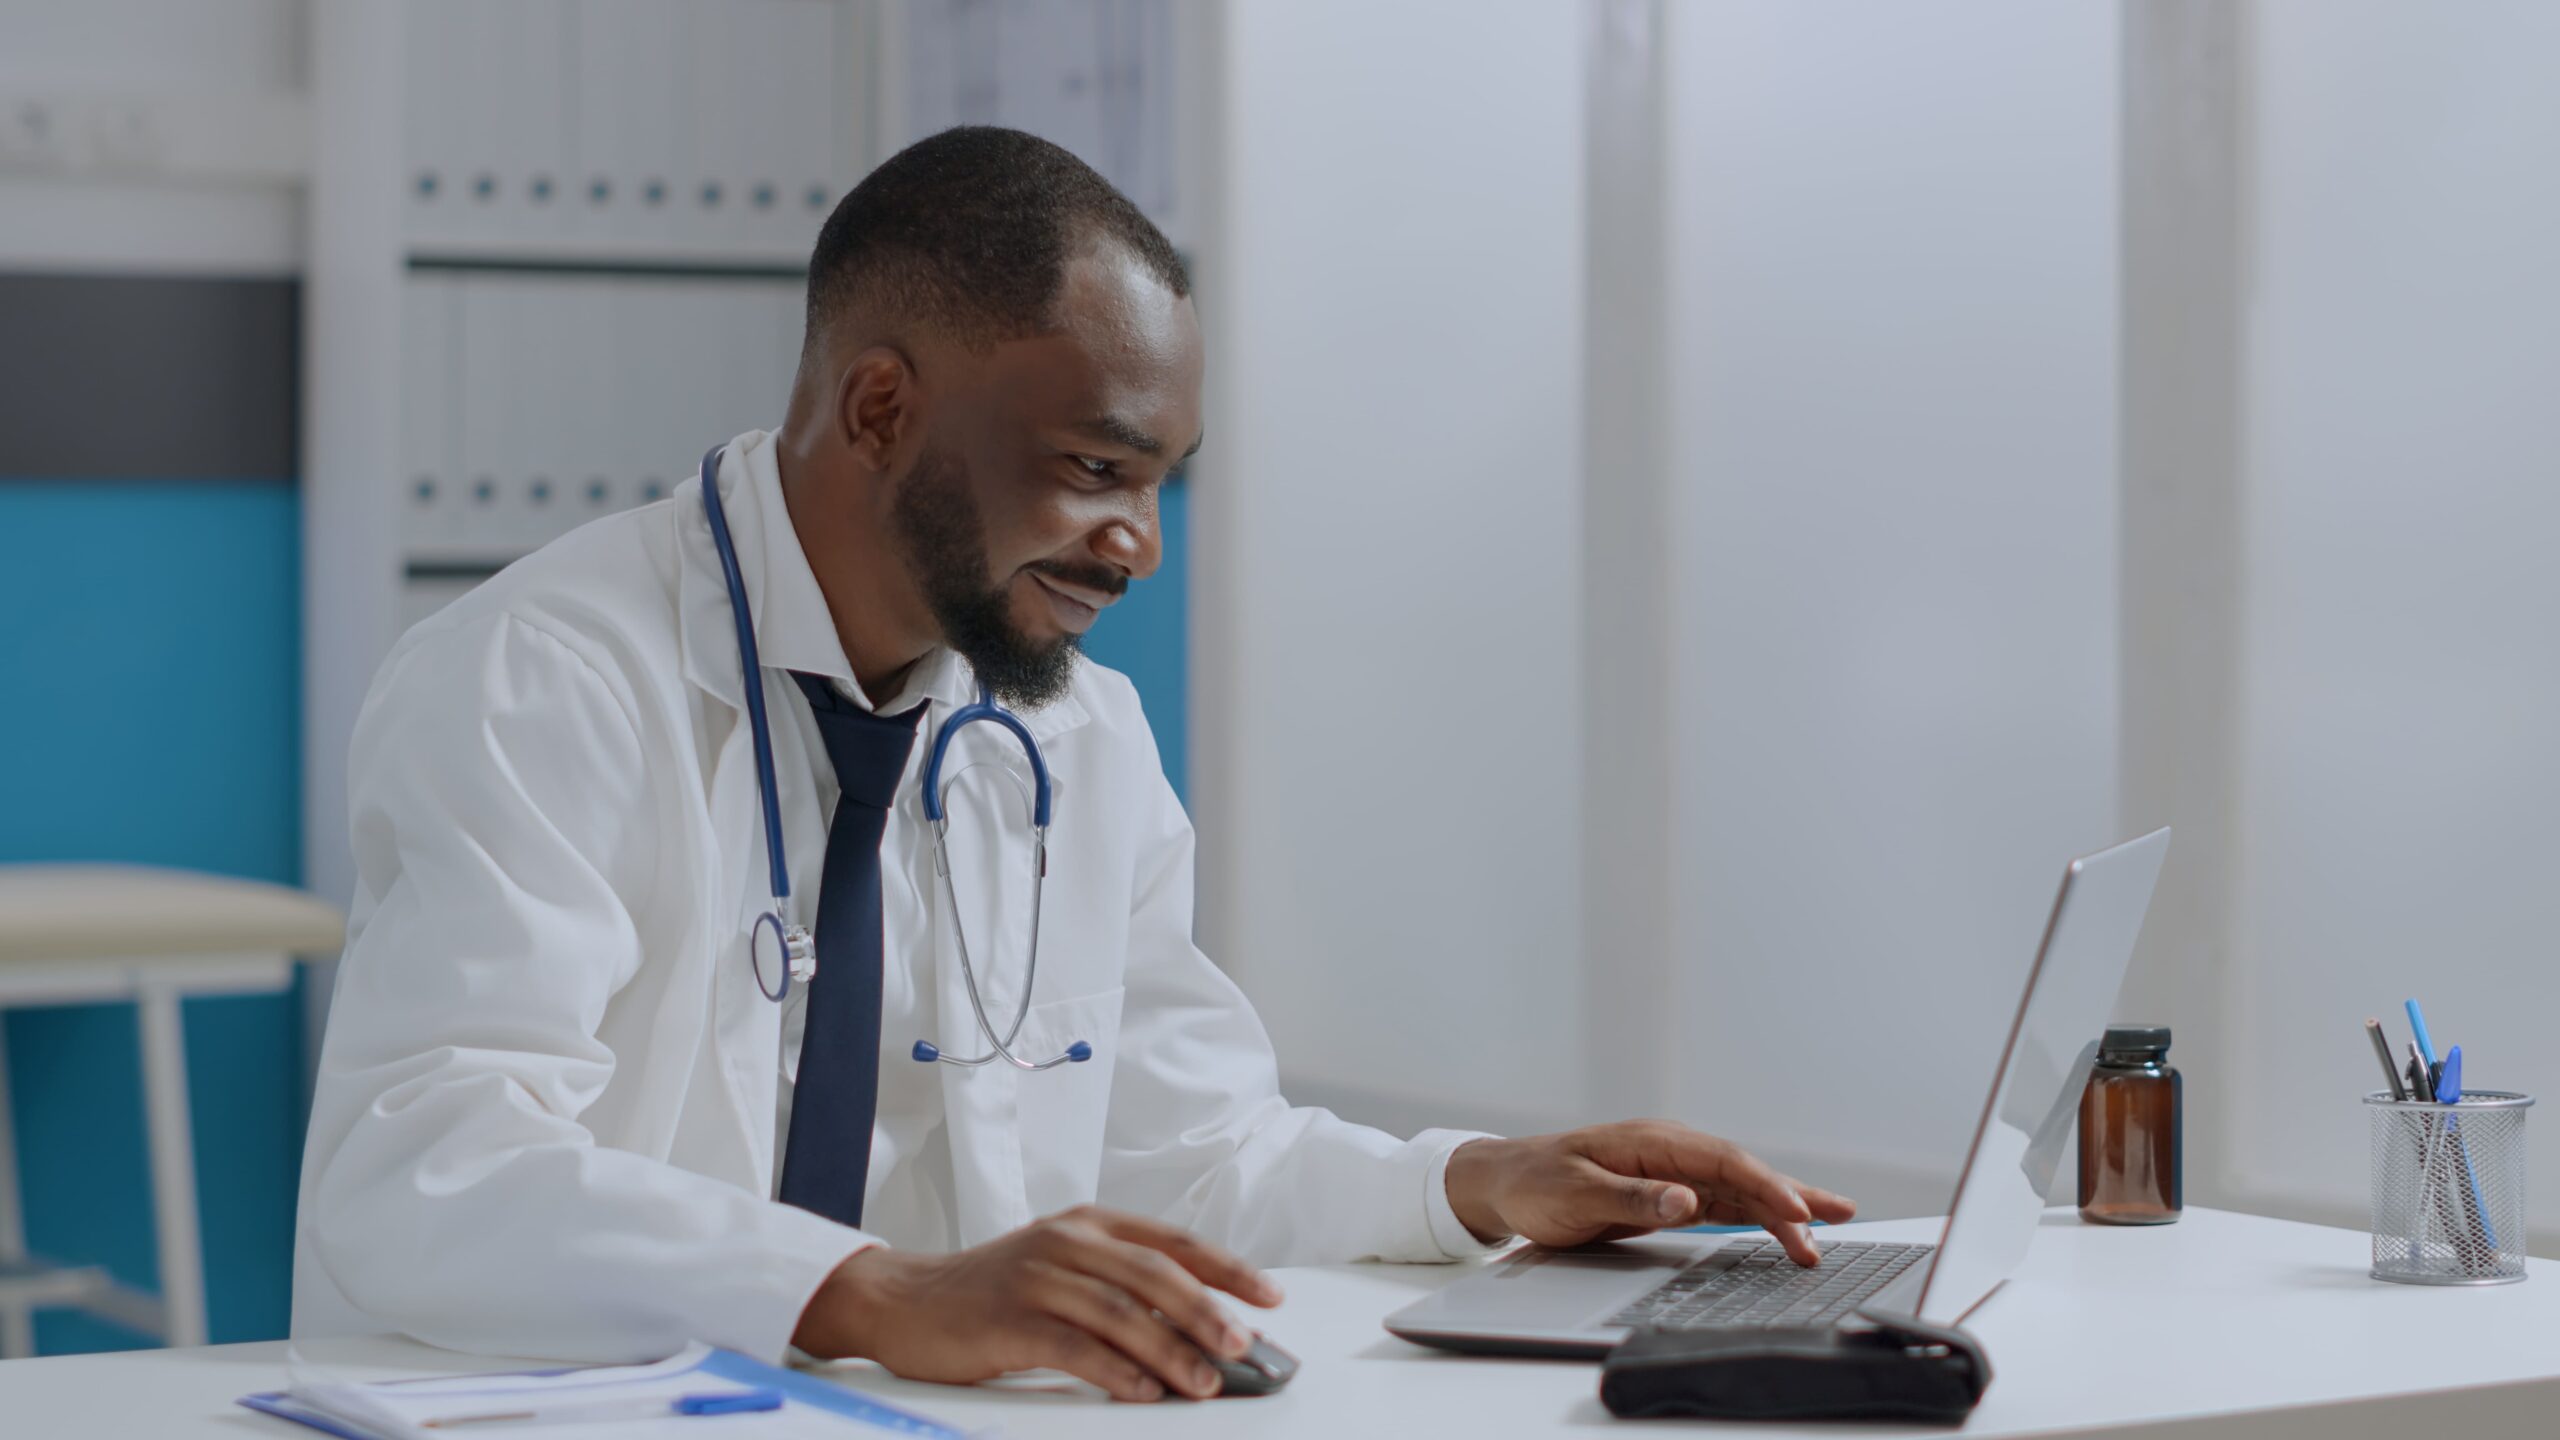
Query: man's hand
(1611,1181)
(1111,1298)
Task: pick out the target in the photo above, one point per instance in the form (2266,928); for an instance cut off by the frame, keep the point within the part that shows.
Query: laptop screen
(2017,1148)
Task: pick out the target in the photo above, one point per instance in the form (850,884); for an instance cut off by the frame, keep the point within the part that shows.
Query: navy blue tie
(827,1158)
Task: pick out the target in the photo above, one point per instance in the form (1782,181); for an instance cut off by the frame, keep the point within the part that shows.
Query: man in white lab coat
(555,1112)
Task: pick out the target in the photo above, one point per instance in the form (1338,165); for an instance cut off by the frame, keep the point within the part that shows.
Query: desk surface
(2231,1324)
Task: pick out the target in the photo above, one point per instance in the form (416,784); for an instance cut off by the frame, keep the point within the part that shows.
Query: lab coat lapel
(705,631)
(746,1027)
(746,1031)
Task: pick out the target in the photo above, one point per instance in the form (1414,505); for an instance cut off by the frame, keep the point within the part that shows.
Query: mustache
(1092,577)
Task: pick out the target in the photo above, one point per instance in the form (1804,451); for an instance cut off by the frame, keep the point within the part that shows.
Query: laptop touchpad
(1560,1287)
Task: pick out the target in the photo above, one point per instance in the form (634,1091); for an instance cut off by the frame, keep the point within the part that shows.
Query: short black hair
(969,231)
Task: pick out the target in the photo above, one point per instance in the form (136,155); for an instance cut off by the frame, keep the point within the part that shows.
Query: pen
(2382,1052)
(2420,1089)
(2449,1091)
(2418,1027)
(726,1402)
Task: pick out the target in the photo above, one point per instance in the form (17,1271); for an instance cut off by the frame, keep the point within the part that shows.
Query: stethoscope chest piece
(783,954)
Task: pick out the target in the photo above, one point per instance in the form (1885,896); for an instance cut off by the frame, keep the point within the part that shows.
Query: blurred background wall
(1893,517)
(1394,496)
(2399,678)
(1708,504)
(150,603)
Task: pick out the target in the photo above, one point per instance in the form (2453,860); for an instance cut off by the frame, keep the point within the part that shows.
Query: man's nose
(1133,544)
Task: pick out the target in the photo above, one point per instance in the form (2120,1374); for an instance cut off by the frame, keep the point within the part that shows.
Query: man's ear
(879,407)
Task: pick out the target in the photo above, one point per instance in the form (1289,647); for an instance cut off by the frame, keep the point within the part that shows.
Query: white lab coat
(545,1116)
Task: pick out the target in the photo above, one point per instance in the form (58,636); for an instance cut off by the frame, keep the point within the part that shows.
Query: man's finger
(1725,1212)
(1796,1240)
(1649,1204)
(1216,1267)
(1767,1196)
(1157,1281)
(1059,1345)
(1126,1324)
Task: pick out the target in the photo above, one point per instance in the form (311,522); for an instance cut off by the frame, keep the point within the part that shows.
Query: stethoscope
(787,949)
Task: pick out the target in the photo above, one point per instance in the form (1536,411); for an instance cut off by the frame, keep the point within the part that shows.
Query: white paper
(401,1410)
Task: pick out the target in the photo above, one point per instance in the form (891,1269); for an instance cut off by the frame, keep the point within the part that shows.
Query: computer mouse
(1260,1370)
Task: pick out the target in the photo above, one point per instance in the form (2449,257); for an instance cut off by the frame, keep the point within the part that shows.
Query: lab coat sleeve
(500,814)
(1199,1134)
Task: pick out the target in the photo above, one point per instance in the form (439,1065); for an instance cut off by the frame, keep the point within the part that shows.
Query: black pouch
(1878,1367)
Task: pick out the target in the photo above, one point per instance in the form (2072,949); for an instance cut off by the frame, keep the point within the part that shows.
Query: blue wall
(1147,636)
(149,636)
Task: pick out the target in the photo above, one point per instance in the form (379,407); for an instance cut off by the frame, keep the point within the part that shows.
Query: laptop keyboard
(1752,1285)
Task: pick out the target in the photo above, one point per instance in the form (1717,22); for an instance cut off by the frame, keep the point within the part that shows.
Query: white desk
(2223,1325)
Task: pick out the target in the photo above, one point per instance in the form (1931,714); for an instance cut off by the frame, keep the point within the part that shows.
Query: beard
(944,538)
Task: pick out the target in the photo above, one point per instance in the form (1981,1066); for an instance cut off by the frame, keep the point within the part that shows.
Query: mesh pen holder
(2449,1189)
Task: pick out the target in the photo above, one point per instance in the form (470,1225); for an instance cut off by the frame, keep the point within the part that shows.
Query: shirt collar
(794,630)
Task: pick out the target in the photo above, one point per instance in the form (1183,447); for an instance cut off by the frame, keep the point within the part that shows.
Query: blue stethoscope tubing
(799,951)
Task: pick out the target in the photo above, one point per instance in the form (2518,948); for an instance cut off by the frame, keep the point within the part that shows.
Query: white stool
(80,934)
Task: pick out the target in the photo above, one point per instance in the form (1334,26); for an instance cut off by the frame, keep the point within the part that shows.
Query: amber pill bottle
(2130,1147)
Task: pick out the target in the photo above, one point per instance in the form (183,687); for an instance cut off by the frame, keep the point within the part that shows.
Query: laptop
(1582,1302)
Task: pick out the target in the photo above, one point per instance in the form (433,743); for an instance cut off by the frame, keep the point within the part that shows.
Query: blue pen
(740,1403)
(2449,1091)
(716,1402)
(2418,1023)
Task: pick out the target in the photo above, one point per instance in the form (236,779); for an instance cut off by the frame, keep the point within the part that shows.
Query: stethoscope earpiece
(1076,1054)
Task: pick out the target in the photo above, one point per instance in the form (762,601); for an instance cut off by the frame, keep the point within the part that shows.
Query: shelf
(457,565)
(573,260)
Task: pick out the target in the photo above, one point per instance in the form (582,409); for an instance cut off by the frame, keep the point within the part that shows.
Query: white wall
(1894,339)
(1629,561)
(2401,678)
(193,174)
(1387,582)
(1884,370)
(153,44)
(2180,528)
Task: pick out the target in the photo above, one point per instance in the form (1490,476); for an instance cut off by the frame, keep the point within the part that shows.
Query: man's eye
(1098,469)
